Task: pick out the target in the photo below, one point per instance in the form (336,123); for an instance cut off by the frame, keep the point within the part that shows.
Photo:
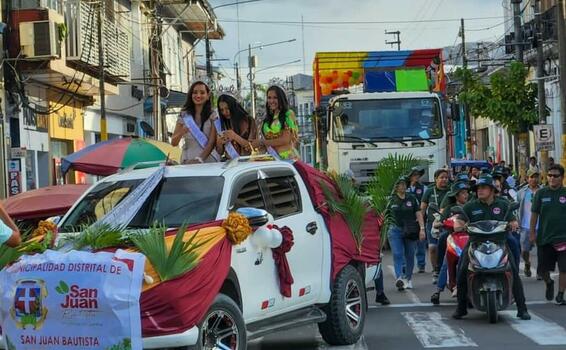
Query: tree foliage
(508,100)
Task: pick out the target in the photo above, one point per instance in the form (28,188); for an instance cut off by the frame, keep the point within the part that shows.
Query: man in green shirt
(489,207)
(549,205)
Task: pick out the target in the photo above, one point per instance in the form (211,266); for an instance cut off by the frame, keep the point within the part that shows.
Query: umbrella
(108,157)
(43,202)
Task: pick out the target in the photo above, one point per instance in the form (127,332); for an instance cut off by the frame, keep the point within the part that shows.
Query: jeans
(421,253)
(443,276)
(403,253)
(462,281)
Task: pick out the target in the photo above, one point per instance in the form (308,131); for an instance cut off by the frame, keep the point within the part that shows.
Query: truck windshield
(387,119)
(175,201)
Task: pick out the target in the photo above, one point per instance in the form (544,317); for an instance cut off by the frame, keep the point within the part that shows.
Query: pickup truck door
(289,203)
(255,268)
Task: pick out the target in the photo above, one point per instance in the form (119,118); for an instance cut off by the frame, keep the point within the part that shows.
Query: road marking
(412,296)
(450,303)
(433,332)
(537,329)
(360,345)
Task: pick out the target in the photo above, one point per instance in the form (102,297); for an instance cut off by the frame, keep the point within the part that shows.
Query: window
(175,201)
(249,196)
(285,196)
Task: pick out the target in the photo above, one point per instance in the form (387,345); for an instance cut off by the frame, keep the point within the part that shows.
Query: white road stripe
(360,345)
(433,332)
(412,296)
(537,329)
(451,304)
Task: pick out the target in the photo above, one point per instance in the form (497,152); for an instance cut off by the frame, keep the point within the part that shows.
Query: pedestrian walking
(434,194)
(279,128)
(9,232)
(407,227)
(417,189)
(525,198)
(235,128)
(549,210)
(195,126)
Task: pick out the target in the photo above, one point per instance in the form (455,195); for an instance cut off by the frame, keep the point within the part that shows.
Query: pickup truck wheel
(223,326)
(346,311)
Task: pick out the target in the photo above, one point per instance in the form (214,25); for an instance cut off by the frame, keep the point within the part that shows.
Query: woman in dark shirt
(407,227)
(237,128)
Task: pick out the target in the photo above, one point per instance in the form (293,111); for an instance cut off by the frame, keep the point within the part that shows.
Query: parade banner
(75,300)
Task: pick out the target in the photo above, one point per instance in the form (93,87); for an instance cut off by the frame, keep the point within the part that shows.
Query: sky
(332,36)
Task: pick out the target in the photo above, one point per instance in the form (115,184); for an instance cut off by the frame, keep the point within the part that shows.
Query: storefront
(117,126)
(66,133)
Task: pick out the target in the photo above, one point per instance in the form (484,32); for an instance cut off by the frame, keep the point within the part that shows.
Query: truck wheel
(346,311)
(223,326)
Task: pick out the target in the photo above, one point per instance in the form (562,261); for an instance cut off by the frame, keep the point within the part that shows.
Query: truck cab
(363,128)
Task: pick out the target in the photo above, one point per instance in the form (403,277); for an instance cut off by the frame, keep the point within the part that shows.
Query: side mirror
(256,217)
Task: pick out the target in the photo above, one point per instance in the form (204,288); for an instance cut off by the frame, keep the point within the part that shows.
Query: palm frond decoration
(381,185)
(96,237)
(350,204)
(178,260)
(29,246)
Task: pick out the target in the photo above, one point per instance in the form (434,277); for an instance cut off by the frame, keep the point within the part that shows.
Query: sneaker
(400,284)
(549,290)
(528,270)
(454,292)
(523,315)
(422,269)
(409,284)
(382,299)
(560,299)
(435,298)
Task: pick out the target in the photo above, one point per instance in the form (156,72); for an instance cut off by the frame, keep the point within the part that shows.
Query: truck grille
(363,171)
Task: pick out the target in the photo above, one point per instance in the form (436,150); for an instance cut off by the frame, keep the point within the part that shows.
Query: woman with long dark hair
(279,128)
(235,128)
(195,126)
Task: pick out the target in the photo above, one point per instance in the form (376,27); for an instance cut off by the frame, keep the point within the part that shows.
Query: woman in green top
(279,127)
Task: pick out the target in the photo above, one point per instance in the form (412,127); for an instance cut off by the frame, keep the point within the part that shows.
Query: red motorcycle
(455,244)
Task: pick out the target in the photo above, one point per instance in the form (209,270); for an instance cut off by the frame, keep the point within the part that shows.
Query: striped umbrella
(108,157)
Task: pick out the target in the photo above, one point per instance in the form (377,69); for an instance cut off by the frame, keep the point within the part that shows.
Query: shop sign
(14,177)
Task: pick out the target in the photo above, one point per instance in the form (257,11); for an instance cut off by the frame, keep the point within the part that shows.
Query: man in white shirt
(525,198)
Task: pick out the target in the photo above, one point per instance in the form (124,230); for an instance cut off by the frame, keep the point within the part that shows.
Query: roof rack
(264,157)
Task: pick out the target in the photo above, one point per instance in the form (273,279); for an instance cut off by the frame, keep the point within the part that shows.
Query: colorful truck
(371,104)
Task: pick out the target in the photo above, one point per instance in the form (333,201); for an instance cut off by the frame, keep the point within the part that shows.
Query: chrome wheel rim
(220,332)
(353,303)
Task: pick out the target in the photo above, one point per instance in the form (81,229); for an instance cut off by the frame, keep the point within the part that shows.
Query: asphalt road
(411,322)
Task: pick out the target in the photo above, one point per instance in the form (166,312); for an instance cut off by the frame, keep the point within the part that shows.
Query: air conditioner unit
(40,39)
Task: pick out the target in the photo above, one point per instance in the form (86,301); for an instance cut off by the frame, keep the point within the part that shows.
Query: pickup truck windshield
(386,119)
(175,201)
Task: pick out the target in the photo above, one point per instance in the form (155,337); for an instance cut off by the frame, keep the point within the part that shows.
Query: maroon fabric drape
(280,258)
(344,247)
(179,304)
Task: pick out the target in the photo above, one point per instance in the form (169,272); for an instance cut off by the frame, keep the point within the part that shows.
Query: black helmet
(485,180)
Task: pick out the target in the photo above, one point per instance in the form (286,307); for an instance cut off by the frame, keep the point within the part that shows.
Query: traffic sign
(544,137)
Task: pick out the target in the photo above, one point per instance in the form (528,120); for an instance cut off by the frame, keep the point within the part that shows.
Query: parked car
(249,302)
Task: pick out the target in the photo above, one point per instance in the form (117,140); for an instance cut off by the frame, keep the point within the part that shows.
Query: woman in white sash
(195,126)
(235,128)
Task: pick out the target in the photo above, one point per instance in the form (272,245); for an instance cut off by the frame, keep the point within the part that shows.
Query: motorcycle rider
(488,207)
(458,196)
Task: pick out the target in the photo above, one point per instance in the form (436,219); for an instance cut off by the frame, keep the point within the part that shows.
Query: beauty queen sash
(201,138)
(273,152)
(228,145)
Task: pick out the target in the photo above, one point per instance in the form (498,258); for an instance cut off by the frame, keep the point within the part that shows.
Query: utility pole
(252,62)
(208,54)
(518,31)
(465,113)
(155,78)
(540,82)
(103,126)
(562,70)
(396,42)
(238,80)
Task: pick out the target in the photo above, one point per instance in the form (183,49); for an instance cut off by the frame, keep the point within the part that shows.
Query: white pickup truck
(249,304)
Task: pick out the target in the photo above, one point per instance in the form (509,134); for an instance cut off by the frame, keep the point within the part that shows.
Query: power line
(358,22)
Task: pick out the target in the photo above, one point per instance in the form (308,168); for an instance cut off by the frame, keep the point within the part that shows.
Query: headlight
(488,261)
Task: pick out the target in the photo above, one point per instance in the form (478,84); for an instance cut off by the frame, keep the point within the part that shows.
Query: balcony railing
(82,42)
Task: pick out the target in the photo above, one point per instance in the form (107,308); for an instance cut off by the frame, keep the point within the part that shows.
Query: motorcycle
(490,278)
